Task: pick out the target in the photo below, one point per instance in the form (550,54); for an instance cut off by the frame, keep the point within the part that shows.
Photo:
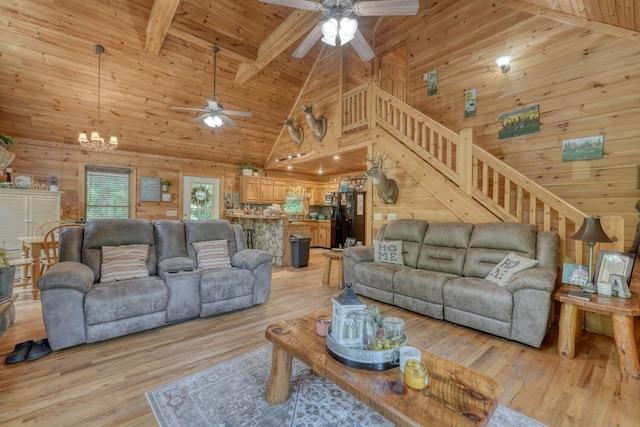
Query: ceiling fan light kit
(340,28)
(214,113)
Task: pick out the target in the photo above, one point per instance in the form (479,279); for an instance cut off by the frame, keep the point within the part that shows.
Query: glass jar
(366,323)
(394,330)
(415,375)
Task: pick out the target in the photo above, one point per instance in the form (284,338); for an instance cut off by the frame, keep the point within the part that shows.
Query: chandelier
(96,142)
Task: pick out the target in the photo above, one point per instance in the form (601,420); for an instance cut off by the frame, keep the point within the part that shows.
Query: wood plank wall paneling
(584,82)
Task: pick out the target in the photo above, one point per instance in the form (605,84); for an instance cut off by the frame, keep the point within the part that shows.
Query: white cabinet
(22,211)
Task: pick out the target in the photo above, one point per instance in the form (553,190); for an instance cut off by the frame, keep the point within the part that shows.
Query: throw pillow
(212,254)
(389,251)
(124,262)
(510,265)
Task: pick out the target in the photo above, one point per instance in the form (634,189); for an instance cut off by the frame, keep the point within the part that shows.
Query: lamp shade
(591,231)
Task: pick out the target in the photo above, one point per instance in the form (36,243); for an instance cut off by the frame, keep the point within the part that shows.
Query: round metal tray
(374,360)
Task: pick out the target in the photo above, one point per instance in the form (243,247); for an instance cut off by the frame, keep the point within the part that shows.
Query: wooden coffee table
(456,395)
(622,312)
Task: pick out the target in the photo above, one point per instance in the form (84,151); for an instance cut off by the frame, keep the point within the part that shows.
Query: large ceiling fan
(214,113)
(340,28)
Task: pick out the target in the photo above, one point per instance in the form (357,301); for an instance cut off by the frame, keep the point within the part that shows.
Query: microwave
(328,198)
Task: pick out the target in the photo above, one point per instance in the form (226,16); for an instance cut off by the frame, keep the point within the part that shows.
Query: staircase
(470,182)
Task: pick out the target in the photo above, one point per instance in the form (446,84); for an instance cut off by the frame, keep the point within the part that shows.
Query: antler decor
(387,187)
(318,125)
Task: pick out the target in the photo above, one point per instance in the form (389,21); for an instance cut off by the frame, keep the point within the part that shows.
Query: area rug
(231,394)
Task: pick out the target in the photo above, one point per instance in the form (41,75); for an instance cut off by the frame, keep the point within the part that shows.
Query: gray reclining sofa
(154,277)
(443,274)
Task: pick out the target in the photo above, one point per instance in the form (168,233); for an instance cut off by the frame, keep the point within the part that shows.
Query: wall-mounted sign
(149,189)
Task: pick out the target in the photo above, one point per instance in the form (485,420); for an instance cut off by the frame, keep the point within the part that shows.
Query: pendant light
(97,142)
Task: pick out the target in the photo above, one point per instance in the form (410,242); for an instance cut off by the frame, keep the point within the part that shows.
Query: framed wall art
(519,122)
(611,263)
(589,148)
(149,189)
(575,274)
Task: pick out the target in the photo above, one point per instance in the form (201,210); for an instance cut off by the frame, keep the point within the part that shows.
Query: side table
(622,312)
(326,273)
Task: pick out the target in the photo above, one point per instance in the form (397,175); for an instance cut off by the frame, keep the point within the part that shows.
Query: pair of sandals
(28,351)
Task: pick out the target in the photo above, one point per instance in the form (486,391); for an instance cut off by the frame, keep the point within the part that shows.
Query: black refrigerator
(349,215)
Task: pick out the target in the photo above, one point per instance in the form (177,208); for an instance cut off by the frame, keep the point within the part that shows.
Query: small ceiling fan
(339,28)
(215,114)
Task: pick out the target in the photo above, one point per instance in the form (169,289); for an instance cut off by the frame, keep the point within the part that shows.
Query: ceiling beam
(232,48)
(576,21)
(295,26)
(162,13)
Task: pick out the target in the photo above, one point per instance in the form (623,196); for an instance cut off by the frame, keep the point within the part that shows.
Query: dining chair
(50,245)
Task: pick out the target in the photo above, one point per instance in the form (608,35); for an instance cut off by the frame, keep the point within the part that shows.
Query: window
(108,193)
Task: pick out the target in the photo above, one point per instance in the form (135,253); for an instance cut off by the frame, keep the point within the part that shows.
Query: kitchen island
(271,233)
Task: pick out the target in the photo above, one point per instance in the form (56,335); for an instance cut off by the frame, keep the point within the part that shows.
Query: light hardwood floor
(104,383)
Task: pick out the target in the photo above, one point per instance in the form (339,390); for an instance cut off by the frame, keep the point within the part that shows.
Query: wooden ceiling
(158,55)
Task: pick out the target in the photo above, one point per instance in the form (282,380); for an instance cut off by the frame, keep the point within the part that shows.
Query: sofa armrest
(539,278)
(359,253)
(250,258)
(67,275)
(176,265)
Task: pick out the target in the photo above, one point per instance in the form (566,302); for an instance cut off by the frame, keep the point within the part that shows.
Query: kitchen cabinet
(266,191)
(279,191)
(249,189)
(23,211)
(320,232)
(254,189)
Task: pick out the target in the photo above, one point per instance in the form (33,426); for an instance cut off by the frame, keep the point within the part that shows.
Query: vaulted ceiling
(158,55)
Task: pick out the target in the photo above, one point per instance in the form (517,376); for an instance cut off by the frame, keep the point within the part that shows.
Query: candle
(415,375)
(322,325)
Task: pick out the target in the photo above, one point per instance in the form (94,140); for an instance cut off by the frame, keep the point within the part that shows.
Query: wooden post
(278,387)
(465,159)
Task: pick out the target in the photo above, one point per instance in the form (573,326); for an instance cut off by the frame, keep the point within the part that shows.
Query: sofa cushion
(225,283)
(444,247)
(124,262)
(411,232)
(491,242)
(212,254)
(478,296)
(377,275)
(510,265)
(421,284)
(209,230)
(388,251)
(128,298)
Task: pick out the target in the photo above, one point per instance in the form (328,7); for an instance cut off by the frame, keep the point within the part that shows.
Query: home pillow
(212,254)
(389,251)
(510,265)
(124,262)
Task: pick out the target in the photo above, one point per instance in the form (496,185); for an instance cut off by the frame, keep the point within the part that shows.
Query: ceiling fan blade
(298,4)
(314,35)
(200,117)
(386,7)
(361,47)
(188,109)
(227,120)
(237,113)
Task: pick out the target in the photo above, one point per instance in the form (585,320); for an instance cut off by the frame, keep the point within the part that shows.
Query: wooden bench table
(456,395)
(622,312)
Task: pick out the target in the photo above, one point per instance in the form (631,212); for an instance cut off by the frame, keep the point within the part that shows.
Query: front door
(393,72)
(201,198)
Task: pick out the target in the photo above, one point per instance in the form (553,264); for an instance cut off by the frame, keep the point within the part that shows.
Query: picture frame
(575,274)
(149,189)
(614,263)
(588,148)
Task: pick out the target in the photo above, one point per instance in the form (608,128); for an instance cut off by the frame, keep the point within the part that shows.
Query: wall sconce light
(503,63)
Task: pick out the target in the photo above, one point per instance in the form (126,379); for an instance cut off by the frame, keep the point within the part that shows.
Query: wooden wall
(584,82)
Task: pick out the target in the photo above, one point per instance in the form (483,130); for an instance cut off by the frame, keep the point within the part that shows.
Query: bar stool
(249,234)
(326,273)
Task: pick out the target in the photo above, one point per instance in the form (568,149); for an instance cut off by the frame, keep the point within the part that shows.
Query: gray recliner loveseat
(120,276)
(444,268)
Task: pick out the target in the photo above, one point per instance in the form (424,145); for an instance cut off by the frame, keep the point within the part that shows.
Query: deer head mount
(387,187)
(297,134)
(318,125)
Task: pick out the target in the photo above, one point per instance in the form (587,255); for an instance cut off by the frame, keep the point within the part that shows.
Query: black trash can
(300,244)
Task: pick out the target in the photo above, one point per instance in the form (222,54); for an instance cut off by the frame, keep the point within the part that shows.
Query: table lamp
(591,232)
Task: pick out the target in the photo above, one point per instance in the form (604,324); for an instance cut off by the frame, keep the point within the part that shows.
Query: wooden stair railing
(507,193)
